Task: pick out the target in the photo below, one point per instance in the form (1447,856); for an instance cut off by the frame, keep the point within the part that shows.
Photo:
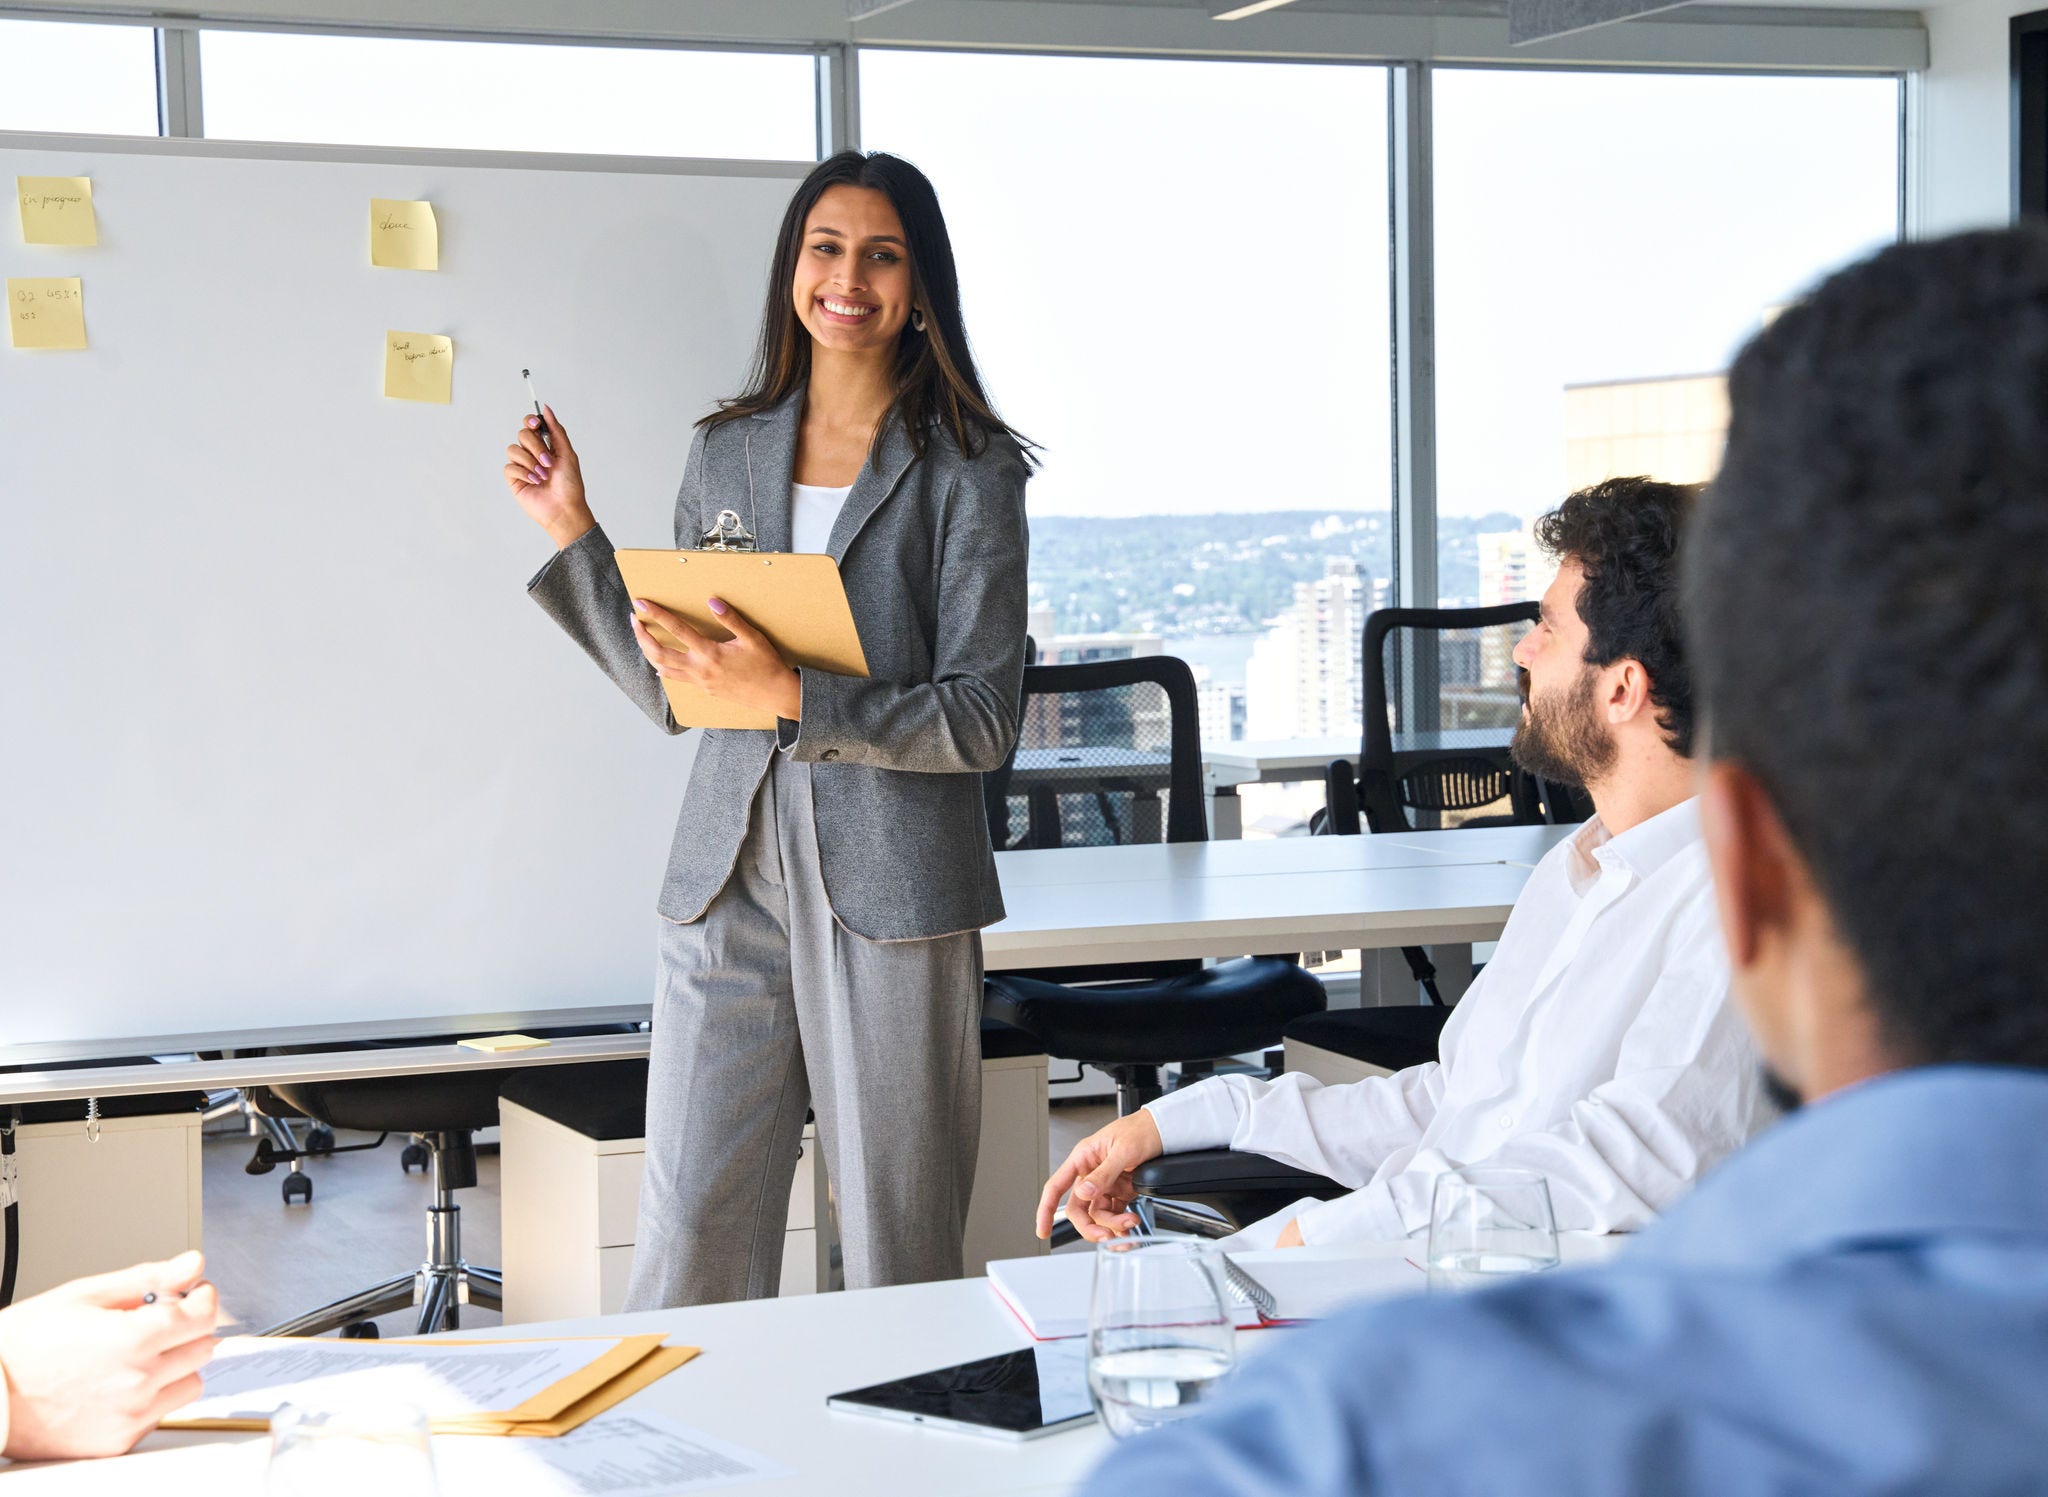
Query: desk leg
(1453,961)
(1226,814)
(1384,978)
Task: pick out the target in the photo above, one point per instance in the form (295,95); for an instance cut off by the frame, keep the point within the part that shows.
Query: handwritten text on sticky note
(419,366)
(404,235)
(57,210)
(46,312)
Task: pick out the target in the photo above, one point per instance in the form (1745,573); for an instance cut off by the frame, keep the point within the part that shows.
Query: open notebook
(1050,1294)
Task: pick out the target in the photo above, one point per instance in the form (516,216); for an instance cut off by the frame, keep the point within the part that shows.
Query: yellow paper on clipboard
(797,600)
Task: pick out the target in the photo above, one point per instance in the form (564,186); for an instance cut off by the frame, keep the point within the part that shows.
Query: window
(513,96)
(1604,244)
(93,80)
(1176,277)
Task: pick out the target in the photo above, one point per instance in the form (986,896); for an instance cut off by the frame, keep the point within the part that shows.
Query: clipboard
(797,600)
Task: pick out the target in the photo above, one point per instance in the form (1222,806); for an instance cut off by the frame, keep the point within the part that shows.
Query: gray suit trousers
(767,1006)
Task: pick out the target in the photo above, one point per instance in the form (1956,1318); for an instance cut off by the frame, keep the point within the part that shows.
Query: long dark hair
(936,381)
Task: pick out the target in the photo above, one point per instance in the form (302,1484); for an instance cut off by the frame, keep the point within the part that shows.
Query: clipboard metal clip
(727,534)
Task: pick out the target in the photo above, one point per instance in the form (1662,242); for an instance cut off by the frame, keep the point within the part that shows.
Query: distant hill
(1222,573)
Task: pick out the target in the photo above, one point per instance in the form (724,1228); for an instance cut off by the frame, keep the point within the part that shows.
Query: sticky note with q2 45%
(404,235)
(57,210)
(46,312)
(419,366)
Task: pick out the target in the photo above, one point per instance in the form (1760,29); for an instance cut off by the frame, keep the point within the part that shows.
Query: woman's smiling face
(852,285)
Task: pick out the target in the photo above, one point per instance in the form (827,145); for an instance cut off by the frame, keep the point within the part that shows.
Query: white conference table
(1066,906)
(762,1380)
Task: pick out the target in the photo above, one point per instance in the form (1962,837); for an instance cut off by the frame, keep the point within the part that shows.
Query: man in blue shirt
(1857,1302)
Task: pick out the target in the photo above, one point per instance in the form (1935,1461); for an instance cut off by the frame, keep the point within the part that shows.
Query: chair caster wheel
(320,1141)
(300,1186)
(359,1330)
(414,1154)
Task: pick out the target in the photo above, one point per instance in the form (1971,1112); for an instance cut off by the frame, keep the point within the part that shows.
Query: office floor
(367,1222)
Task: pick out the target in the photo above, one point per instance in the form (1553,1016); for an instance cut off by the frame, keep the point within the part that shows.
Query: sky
(1175,273)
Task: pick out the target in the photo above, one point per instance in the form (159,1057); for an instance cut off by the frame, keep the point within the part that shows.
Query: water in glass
(1160,1335)
(1486,1225)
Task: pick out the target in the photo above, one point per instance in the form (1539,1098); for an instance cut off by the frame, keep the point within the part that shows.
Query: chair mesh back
(1451,701)
(1095,763)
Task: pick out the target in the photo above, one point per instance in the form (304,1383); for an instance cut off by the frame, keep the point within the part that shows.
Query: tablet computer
(1018,1395)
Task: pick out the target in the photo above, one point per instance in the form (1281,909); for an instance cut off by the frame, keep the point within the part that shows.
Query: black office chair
(443,1111)
(1442,700)
(1109,752)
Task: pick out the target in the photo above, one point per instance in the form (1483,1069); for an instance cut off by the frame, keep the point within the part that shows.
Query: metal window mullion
(838,99)
(1414,329)
(178,108)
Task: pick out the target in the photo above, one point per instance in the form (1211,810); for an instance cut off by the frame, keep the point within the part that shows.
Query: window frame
(1410,174)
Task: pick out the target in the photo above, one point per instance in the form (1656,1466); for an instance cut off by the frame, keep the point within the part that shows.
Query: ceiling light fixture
(1249,10)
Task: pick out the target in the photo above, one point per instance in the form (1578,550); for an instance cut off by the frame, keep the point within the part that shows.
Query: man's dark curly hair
(1624,533)
(1867,589)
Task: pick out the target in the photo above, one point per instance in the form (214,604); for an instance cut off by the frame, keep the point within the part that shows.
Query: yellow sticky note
(417,366)
(404,235)
(46,312)
(57,210)
(503,1042)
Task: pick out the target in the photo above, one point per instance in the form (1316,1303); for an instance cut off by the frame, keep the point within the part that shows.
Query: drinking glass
(1486,1225)
(1160,1332)
(348,1452)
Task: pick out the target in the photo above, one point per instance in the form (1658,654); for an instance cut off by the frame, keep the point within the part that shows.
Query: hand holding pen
(543,473)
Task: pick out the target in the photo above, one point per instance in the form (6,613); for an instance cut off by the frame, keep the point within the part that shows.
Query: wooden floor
(367,1222)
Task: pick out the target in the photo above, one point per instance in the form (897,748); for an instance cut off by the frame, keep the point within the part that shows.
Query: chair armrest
(1340,799)
(1203,1171)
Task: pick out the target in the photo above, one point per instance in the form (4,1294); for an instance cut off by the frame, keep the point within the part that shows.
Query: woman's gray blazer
(933,552)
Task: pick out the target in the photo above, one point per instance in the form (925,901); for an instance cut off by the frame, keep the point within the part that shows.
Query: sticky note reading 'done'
(419,366)
(404,235)
(46,312)
(57,210)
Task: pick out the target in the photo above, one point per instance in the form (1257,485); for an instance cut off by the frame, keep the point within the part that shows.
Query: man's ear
(1629,695)
(1748,848)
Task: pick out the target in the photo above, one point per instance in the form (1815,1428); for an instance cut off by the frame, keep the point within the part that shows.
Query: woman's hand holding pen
(547,480)
(746,668)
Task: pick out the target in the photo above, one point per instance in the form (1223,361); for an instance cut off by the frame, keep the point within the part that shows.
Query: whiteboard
(286,754)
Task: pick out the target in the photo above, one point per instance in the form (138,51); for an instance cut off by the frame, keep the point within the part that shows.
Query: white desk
(1523,846)
(1235,915)
(1263,761)
(767,1368)
(1067,905)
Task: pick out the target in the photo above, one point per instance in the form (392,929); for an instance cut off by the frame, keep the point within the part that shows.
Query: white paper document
(616,1454)
(250,1377)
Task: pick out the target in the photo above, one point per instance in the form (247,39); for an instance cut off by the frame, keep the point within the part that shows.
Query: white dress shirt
(1598,1046)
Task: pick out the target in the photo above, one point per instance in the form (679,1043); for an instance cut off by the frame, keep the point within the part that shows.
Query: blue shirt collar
(1931,1152)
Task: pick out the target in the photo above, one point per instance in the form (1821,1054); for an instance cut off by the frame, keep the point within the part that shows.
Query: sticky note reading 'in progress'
(419,366)
(46,312)
(57,210)
(404,235)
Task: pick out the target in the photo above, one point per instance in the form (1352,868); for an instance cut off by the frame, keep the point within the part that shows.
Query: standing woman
(820,941)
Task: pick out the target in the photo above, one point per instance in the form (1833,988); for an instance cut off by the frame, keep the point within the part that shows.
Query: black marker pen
(527,375)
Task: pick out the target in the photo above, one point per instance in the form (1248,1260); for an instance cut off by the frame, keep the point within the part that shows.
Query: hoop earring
(917,319)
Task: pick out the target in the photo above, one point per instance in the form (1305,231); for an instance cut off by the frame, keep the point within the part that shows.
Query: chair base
(444,1282)
(438,1289)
